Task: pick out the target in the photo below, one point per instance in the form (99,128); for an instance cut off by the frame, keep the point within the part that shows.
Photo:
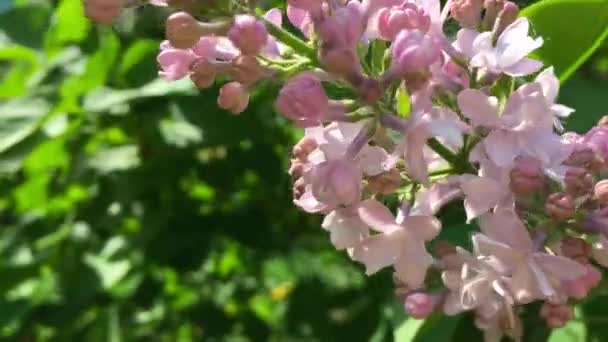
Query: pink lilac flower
(346,228)
(523,128)
(398,243)
(333,143)
(532,272)
(175,63)
(507,56)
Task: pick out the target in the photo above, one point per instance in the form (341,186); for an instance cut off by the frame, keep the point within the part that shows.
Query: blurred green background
(134,209)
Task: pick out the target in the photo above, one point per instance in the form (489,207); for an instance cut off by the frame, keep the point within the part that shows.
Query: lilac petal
(346,229)
(412,264)
(275,16)
(429,202)
(560,267)
(300,19)
(464,41)
(515,44)
(377,216)
(371,159)
(502,147)
(424,228)
(525,66)
(414,154)
(309,203)
(481,195)
(175,63)
(505,226)
(379,251)
(549,84)
(483,245)
(523,284)
(481,109)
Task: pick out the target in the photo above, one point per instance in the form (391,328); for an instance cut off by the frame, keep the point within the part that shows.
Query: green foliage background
(135,209)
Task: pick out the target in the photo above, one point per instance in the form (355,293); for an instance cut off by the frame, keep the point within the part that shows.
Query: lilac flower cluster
(483,129)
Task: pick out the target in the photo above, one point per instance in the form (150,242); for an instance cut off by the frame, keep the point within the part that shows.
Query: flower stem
(457,163)
(290,40)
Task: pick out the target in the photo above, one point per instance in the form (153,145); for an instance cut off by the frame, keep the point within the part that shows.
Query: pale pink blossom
(438,123)
(175,63)
(346,228)
(301,20)
(522,128)
(532,273)
(507,56)
(400,244)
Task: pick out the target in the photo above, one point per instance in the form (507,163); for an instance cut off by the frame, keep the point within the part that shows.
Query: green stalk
(458,164)
(290,40)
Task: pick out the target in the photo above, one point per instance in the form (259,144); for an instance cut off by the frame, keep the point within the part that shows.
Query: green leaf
(115,159)
(378,50)
(572,30)
(69,24)
(408,330)
(404,105)
(104,99)
(177,131)
(19,119)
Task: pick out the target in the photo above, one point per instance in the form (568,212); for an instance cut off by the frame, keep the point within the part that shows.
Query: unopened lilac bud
(576,249)
(385,183)
(303,100)
(420,305)
(304,147)
(408,16)
(103,11)
(182,30)
(467,12)
(597,140)
(248,34)
(339,60)
(506,17)
(556,315)
(413,50)
(601,192)
(559,206)
(575,288)
(296,168)
(246,69)
(306,5)
(527,176)
(337,182)
(582,157)
(579,288)
(202,73)
(578,181)
(592,277)
(299,187)
(493,7)
(233,97)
